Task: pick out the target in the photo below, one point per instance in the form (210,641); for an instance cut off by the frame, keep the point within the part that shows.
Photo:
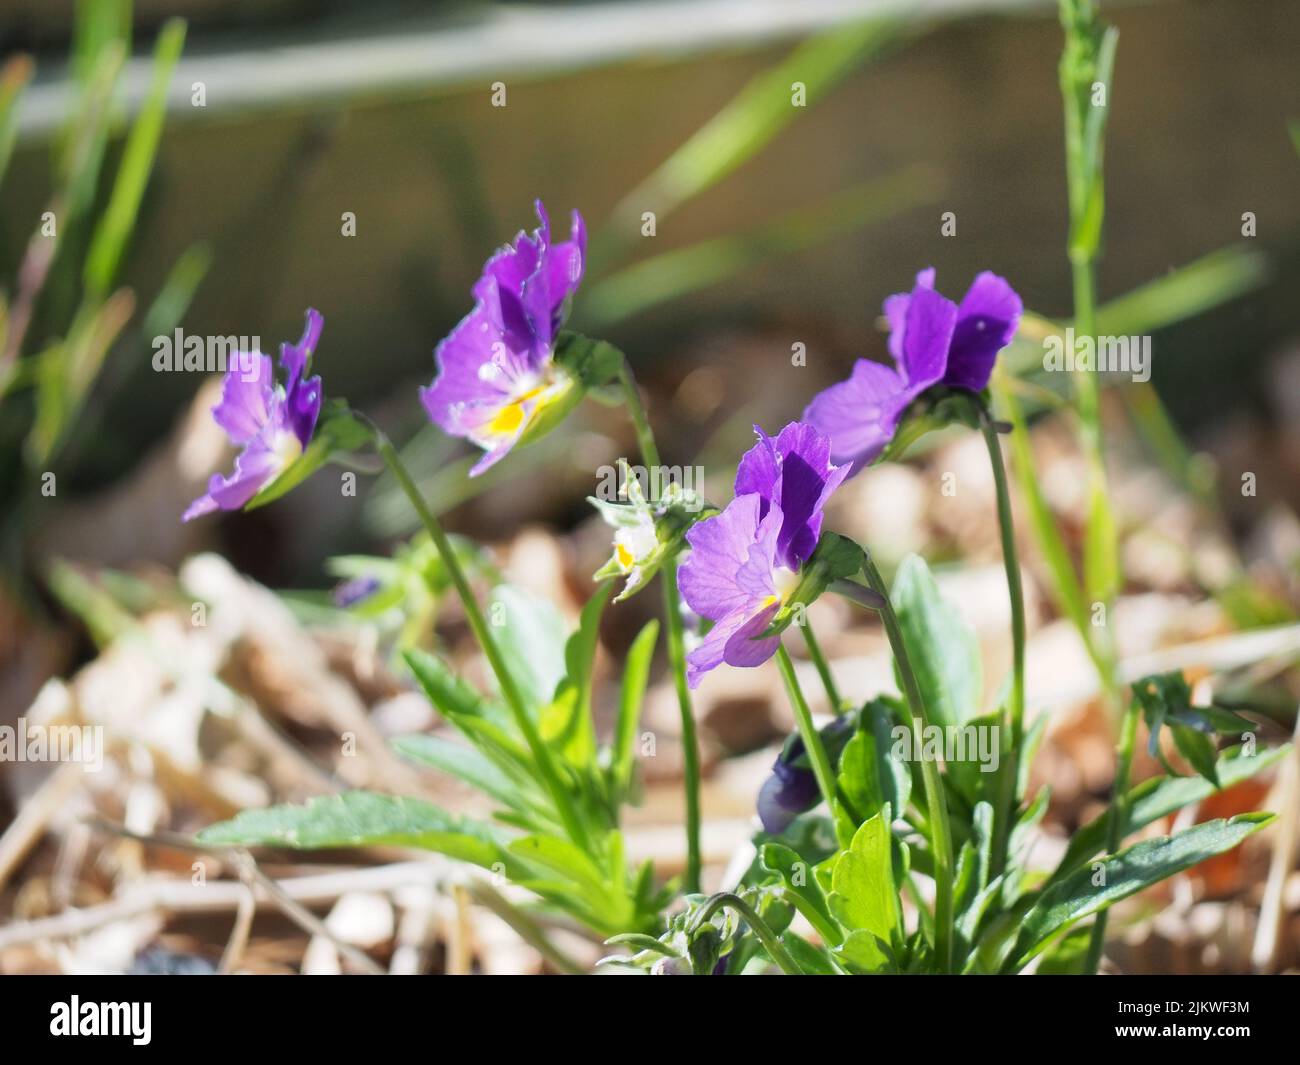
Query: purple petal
(253,468)
(987,321)
(720,547)
(861,414)
(732,641)
(246,397)
(896,313)
(792,472)
(787,793)
(930,322)
(302,397)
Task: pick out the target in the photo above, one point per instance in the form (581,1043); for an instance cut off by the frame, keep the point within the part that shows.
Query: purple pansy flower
(497,381)
(792,788)
(272,423)
(745,562)
(933,341)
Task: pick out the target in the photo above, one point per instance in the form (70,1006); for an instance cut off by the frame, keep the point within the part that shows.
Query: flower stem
(560,795)
(812,740)
(771,942)
(1015,719)
(1117,820)
(936,805)
(676,642)
(690,742)
(823,667)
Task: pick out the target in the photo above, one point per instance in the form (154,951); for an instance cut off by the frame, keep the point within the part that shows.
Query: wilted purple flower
(497,382)
(273,423)
(744,563)
(933,341)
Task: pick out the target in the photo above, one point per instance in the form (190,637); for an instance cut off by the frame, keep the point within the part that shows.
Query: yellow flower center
(625,557)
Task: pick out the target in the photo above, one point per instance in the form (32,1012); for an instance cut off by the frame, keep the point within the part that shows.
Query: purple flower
(272,423)
(792,788)
(744,563)
(497,383)
(933,341)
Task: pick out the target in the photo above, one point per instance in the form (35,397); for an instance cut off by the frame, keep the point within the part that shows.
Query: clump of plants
(894,838)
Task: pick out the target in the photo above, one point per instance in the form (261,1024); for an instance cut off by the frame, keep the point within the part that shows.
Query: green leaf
(636,675)
(530,631)
(863,893)
(869,775)
(361,819)
(1101,568)
(804,891)
(863,952)
(1161,796)
(118,219)
(1068,956)
(14,76)
(944,652)
(746,125)
(566,723)
(1126,873)
(464,763)
(812,961)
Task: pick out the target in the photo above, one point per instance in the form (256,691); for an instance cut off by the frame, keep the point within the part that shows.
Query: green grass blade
(115,225)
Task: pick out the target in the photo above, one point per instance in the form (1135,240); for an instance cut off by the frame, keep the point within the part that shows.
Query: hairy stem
(771,942)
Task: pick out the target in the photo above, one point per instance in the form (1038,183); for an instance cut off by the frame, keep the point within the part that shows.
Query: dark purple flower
(744,563)
(792,788)
(272,423)
(933,341)
(497,383)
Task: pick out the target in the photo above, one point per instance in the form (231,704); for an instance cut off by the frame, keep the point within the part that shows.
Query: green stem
(1015,719)
(936,805)
(812,739)
(771,942)
(823,667)
(645,436)
(1117,821)
(690,742)
(563,800)
(676,643)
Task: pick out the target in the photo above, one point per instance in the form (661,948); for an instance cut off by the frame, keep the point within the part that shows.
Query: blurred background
(799,161)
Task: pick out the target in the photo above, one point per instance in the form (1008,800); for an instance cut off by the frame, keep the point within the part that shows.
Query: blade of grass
(743,128)
(684,270)
(118,219)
